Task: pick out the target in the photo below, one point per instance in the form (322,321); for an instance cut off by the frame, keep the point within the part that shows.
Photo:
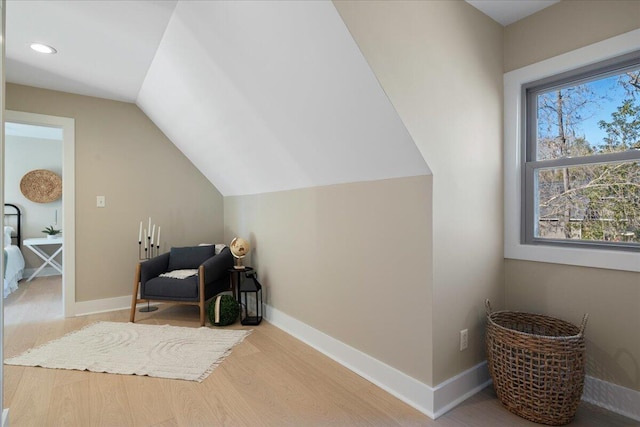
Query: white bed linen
(8,231)
(15,269)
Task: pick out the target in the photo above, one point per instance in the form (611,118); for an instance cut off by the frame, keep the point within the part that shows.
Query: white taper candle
(158,244)
(153,233)
(145,240)
(140,233)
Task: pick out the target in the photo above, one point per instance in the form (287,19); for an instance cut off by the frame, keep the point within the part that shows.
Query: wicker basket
(537,364)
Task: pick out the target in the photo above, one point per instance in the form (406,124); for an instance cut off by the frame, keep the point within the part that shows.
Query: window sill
(584,257)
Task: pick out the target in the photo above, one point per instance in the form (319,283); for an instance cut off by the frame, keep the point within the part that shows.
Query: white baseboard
(83,308)
(47,271)
(5,417)
(613,397)
(457,389)
(431,401)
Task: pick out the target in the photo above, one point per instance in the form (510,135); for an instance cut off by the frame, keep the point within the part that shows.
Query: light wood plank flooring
(271,379)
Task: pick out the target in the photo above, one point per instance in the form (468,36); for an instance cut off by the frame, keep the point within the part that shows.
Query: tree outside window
(582,167)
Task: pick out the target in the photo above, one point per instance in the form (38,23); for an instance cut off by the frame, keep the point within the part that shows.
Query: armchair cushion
(189,257)
(166,288)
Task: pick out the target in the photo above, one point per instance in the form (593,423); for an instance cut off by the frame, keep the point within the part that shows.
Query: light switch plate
(100,201)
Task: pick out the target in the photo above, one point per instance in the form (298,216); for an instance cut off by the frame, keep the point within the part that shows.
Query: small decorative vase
(52,236)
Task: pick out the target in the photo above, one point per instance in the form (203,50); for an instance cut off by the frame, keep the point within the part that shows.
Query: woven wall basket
(41,186)
(537,364)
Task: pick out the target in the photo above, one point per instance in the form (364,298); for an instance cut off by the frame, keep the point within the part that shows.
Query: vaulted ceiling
(260,95)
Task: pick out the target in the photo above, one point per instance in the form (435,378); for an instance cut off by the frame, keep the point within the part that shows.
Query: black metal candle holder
(149,253)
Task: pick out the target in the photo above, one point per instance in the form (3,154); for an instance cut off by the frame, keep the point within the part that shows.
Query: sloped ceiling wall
(271,96)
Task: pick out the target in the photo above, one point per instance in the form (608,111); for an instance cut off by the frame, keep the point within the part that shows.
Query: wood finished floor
(271,379)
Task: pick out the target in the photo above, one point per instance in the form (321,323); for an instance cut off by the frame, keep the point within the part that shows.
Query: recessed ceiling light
(43,48)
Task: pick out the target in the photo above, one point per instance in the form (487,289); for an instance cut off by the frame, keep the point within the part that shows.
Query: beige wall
(440,63)
(567,26)
(122,155)
(351,260)
(610,297)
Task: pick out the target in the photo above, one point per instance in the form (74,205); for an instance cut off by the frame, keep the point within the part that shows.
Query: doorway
(64,217)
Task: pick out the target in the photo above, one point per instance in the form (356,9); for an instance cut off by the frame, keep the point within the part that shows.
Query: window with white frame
(581,157)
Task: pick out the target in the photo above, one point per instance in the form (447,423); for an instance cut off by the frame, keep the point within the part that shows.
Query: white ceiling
(104,47)
(32,131)
(509,11)
(260,95)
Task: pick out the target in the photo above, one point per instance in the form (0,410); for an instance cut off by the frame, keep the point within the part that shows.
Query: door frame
(68,197)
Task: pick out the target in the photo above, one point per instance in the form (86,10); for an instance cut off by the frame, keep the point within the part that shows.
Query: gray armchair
(212,277)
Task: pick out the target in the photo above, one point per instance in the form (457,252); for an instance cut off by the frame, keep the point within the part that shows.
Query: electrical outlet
(464,339)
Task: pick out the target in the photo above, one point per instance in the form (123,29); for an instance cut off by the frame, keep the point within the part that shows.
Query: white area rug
(136,349)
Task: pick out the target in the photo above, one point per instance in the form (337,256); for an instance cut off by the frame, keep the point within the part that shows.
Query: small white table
(34,245)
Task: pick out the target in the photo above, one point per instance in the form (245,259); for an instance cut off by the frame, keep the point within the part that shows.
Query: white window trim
(513,81)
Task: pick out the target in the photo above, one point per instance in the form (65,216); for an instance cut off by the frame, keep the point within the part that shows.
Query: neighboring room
(31,148)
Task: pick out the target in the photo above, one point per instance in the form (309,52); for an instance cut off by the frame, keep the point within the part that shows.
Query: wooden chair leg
(201,293)
(134,298)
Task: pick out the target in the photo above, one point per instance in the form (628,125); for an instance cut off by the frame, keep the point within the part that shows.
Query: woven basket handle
(584,323)
(487,305)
